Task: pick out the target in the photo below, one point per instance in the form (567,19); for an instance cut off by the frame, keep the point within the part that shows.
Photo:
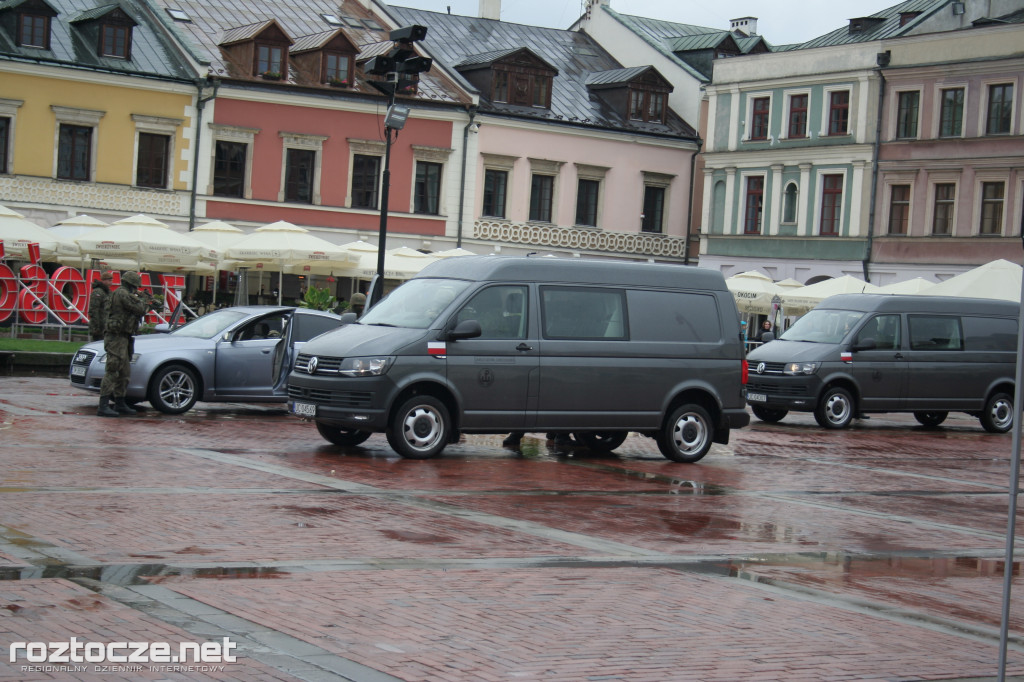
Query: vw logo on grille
(311,367)
(760,367)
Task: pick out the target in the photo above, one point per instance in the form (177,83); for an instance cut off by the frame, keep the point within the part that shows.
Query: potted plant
(271,75)
(336,82)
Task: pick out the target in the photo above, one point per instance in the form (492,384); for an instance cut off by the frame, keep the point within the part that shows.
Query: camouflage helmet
(131,278)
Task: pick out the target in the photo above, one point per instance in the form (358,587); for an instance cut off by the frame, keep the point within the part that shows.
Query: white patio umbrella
(17,232)
(453,253)
(789,283)
(149,242)
(917,285)
(753,292)
(282,246)
(218,236)
(401,263)
(800,301)
(999,279)
(69,228)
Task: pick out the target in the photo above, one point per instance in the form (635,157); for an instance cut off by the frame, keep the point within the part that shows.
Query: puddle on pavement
(422,538)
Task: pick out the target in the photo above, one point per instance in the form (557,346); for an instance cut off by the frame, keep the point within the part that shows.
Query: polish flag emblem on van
(437,348)
(846,356)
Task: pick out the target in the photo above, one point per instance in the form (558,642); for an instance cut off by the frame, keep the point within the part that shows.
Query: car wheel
(997,417)
(835,409)
(767,414)
(686,436)
(931,418)
(174,389)
(342,436)
(420,428)
(601,441)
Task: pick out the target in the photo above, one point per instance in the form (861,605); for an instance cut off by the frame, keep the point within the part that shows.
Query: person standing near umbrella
(99,300)
(126,309)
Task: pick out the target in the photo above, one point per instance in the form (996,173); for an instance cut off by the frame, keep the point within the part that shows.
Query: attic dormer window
(337,68)
(34,31)
(521,85)
(646,104)
(115,40)
(269,60)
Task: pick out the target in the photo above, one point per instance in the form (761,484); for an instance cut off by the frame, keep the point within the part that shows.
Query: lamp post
(400,60)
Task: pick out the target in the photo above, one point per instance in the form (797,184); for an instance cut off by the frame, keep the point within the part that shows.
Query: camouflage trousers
(118,348)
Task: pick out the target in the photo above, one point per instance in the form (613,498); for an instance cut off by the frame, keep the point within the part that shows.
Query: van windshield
(823,326)
(415,304)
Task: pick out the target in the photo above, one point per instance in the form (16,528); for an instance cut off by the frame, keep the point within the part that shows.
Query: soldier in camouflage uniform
(127,306)
(99,300)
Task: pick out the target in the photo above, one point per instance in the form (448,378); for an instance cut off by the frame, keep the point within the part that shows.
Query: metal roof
(212,21)
(153,51)
(616,76)
(456,39)
(887,27)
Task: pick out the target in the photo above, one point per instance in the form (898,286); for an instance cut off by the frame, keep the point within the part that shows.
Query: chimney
(746,25)
(490,9)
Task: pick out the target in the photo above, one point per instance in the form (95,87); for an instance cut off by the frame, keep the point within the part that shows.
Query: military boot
(121,407)
(104,409)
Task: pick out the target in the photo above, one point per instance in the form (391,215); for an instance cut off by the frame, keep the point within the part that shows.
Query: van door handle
(524,347)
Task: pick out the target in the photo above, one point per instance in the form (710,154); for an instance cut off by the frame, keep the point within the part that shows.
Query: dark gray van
(487,344)
(860,353)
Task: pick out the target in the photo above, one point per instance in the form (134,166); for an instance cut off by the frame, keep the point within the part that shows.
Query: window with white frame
(796,114)
(951,112)
(232,161)
(543,189)
(943,208)
(427,196)
(75,150)
(154,150)
(590,180)
(831,214)
(366,162)
(8,118)
(993,197)
(837,112)
(656,186)
(758,119)
(908,106)
(497,172)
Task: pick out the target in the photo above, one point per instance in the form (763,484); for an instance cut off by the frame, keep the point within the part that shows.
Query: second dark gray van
(486,344)
(860,353)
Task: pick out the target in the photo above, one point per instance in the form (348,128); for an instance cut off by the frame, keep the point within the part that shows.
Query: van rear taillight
(746,372)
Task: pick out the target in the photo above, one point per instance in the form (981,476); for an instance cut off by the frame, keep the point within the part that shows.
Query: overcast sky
(780,21)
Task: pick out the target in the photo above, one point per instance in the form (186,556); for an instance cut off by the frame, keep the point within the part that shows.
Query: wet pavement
(793,553)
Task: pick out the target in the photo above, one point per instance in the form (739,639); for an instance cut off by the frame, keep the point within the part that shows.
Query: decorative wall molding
(85,195)
(581,239)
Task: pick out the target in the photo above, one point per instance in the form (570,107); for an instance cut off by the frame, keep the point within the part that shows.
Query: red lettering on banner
(8,292)
(32,297)
(68,283)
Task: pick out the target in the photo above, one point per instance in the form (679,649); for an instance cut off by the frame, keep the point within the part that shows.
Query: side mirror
(767,336)
(467,329)
(348,318)
(865,344)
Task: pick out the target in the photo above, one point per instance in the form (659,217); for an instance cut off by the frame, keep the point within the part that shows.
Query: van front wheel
(420,428)
(601,441)
(930,419)
(998,414)
(686,436)
(343,437)
(768,414)
(835,409)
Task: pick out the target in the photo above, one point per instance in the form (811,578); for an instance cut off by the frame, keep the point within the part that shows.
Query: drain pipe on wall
(470,127)
(882,59)
(689,208)
(200,105)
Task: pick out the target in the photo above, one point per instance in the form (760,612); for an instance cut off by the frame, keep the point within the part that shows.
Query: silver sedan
(239,354)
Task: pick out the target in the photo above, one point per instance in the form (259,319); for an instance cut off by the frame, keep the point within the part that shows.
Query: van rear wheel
(687,434)
(997,416)
(835,409)
(601,441)
(420,427)
(768,414)
(930,418)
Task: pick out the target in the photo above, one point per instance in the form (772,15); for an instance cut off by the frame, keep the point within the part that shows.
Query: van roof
(574,270)
(900,303)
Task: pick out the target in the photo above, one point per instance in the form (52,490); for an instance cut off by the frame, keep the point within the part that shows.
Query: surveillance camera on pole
(400,64)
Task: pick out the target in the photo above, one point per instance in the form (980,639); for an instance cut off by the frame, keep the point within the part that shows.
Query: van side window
(884,329)
(583,313)
(935,333)
(672,316)
(500,310)
(991,333)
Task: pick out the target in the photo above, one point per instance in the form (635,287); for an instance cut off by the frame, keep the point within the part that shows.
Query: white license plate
(78,371)
(304,409)
(757,397)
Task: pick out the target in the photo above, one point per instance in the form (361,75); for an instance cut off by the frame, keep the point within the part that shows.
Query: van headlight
(365,367)
(801,368)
